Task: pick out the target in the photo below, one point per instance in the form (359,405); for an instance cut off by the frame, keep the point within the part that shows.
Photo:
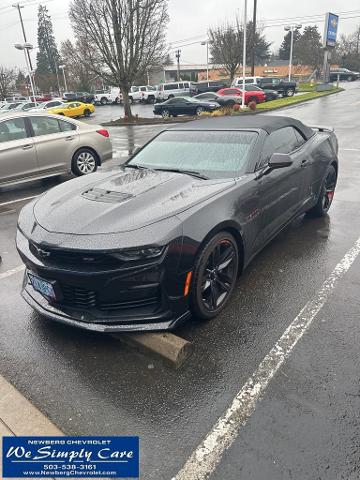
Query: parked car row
(70,109)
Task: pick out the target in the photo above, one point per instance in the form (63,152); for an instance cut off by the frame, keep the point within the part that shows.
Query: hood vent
(107,196)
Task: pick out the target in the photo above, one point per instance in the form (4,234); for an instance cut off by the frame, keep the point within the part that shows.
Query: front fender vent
(107,196)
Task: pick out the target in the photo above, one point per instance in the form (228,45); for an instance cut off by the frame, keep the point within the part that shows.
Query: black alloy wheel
(326,194)
(214,276)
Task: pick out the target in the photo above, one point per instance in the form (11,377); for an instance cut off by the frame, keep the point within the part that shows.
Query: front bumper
(107,297)
(165,321)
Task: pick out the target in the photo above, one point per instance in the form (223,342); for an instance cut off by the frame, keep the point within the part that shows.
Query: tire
(253,99)
(289,92)
(61,114)
(87,112)
(150,100)
(165,113)
(171,96)
(212,286)
(131,100)
(103,101)
(117,101)
(326,194)
(349,78)
(84,161)
(230,103)
(199,110)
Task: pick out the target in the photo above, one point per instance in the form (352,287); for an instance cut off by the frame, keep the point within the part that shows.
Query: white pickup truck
(112,95)
(142,94)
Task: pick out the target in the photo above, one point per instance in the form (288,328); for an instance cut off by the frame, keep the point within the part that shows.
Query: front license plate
(42,286)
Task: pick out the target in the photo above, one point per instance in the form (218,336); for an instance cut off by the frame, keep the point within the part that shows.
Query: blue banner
(85,457)
(331,28)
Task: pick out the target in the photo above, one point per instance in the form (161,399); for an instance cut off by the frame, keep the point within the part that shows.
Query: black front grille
(81,298)
(82,259)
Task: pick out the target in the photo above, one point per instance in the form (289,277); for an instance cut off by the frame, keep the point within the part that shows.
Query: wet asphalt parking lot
(305,425)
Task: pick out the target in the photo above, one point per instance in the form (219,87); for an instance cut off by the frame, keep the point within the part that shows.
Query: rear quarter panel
(322,156)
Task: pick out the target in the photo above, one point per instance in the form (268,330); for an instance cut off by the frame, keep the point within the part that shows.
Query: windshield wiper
(136,165)
(193,173)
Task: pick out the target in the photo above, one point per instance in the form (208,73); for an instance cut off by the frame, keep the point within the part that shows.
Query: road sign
(331,28)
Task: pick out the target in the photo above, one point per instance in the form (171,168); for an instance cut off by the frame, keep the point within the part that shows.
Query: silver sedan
(34,146)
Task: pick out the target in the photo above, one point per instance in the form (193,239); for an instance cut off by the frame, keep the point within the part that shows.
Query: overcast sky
(188,19)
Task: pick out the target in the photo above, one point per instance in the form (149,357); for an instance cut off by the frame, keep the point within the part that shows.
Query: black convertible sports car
(184,106)
(164,237)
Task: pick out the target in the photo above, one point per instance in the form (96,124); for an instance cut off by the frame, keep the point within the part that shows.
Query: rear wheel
(230,103)
(84,161)
(349,78)
(253,99)
(171,96)
(289,92)
(326,194)
(117,101)
(151,99)
(214,276)
(87,112)
(165,113)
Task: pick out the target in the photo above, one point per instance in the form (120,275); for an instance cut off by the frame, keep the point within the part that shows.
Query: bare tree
(74,57)
(7,81)
(124,38)
(226,47)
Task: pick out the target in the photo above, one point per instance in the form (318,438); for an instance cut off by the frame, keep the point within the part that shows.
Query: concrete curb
(20,417)
(170,347)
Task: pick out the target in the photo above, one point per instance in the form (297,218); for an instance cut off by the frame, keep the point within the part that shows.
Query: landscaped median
(260,108)
(304,97)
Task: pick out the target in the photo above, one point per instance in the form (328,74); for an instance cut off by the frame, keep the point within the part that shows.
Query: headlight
(139,253)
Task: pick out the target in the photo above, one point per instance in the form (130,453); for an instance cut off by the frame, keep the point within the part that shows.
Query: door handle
(69,138)
(27,147)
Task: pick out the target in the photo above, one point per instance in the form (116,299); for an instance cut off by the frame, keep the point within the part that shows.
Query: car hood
(121,200)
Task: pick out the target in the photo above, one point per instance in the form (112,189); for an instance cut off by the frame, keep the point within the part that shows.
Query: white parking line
(18,200)
(12,272)
(207,455)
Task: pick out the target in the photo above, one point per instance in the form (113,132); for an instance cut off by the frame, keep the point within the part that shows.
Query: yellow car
(73,109)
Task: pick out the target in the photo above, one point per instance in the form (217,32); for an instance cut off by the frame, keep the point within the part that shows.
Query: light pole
(62,67)
(26,47)
(206,42)
(291,29)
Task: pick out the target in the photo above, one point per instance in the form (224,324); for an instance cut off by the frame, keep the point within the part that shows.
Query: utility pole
(244,58)
(19,7)
(177,55)
(253,40)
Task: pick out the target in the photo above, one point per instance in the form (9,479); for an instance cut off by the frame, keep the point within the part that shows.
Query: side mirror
(279,160)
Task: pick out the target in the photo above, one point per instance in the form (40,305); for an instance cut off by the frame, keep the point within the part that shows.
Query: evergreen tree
(308,48)
(48,55)
(284,51)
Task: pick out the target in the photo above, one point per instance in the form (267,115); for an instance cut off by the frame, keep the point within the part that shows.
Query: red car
(257,96)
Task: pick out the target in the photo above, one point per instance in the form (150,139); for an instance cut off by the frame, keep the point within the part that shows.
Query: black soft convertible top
(269,123)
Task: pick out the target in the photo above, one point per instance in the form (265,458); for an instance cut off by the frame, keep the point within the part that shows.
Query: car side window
(66,126)
(13,129)
(44,126)
(284,140)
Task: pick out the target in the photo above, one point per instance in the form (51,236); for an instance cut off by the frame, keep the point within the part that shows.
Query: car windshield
(214,154)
